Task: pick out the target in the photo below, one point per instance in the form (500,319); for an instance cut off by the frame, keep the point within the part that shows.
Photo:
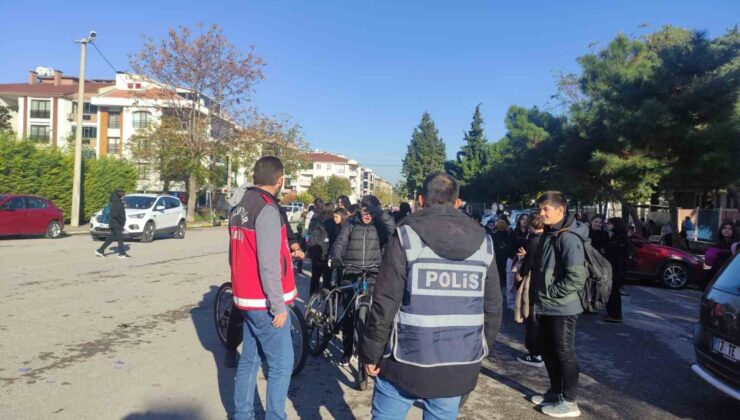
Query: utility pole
(77,182)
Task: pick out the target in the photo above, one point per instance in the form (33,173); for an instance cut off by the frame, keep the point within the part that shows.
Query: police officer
(436,308)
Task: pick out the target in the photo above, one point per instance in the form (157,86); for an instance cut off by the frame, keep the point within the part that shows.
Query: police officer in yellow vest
(436,308)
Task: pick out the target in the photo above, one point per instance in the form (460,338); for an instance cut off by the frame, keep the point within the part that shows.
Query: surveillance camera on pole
(77,182)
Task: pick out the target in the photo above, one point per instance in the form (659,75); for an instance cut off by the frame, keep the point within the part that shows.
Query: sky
(358,75)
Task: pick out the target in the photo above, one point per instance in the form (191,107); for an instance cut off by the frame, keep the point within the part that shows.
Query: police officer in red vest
(263,283)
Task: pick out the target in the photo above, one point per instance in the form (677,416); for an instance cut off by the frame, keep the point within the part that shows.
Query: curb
(70,231)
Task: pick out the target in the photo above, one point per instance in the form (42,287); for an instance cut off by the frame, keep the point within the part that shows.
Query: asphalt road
(102,338)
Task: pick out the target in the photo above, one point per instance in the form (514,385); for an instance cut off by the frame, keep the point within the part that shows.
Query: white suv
(146,216)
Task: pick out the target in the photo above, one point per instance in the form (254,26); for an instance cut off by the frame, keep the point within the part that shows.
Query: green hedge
(28,169)
(103,176)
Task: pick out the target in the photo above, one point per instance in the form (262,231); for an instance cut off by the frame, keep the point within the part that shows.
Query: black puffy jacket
(361,245)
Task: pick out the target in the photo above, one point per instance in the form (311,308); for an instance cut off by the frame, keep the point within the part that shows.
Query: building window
(317,166)
(142,119)
(39,133)
(328,166)
(87,110)
(114,120)
(143,170)
(114,145)
(40,109)
(340,169)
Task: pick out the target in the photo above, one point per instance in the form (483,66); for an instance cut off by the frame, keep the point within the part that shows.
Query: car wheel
(180,232)
(674,276)
(148,234)
(54,230)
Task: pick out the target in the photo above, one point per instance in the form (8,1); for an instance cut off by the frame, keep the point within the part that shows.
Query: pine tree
(472,156)
(426,154)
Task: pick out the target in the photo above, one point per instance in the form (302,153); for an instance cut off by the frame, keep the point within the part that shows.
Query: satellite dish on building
(45,71)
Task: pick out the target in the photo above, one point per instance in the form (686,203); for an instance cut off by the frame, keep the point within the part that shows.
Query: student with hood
(117,219)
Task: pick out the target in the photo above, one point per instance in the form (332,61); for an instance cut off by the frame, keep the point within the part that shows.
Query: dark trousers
(531,335)
(557,336)
(116,234)
(614,304)
(319,269)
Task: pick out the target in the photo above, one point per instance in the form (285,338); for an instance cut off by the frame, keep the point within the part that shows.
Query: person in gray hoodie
(436,308)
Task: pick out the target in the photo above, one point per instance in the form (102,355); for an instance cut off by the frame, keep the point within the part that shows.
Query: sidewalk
(84,229)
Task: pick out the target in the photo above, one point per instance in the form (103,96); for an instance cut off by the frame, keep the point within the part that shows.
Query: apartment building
(43,110)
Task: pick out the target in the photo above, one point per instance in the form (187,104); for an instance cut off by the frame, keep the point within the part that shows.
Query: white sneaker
(124,256)
(99,254)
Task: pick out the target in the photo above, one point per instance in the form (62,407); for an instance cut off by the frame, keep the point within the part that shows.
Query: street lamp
(77,181)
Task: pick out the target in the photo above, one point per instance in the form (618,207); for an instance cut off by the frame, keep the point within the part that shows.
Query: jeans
(557,336)
(116,234)
(277,346)
(391,403)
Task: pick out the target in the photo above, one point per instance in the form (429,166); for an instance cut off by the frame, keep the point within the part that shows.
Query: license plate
(726,349)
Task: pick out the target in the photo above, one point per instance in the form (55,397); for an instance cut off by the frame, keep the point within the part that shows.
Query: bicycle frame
(360,288)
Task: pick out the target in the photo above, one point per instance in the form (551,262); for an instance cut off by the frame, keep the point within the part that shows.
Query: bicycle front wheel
(223,314)
(298,335)
(318,328)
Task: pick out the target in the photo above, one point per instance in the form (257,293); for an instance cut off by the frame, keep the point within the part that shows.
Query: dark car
(672,267)
(29,215)
(717,335)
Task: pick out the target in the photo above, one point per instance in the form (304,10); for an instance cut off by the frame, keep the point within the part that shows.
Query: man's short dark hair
(440,188)
(267,170)
(553,198)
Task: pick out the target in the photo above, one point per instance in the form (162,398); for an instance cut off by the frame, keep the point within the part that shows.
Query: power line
(101,54)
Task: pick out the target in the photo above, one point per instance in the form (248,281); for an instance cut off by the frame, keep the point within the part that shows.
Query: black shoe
(612,320)
(345,361)
(531,360)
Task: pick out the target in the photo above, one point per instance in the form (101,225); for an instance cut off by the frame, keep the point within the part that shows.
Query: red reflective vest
(245,274)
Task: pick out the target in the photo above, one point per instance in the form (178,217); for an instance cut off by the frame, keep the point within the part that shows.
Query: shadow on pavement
(168,413)
(203,320)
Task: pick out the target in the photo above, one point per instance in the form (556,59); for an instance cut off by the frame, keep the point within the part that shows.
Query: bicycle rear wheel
(360,320)
(223,312)
(318,319)
(298,335)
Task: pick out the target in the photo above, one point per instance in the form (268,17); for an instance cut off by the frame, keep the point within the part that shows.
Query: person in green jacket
(558,276)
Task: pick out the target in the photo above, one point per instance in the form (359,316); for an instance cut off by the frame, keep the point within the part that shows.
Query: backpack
(318,242)
(105,215)
(598,285)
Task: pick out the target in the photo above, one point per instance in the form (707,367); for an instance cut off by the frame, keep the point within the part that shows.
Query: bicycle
(324,317)
(230,330)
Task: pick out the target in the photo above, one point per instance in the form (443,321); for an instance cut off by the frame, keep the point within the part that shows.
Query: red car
(29,215)
(672,267)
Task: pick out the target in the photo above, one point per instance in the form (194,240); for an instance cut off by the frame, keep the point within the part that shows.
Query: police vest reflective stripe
(441,320)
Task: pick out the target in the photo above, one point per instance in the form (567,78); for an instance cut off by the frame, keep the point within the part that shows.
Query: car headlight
(137,216)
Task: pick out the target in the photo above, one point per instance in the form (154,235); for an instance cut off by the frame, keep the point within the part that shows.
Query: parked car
(672,267)
(293,213)
(717,335)
(30,215)
(298,204)
(146,216)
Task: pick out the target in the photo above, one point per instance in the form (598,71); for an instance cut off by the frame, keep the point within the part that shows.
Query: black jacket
(361,245)
(453,235)
(117,211)
(532,245)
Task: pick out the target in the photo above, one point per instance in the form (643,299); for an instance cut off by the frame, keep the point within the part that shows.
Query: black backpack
(318,242)
(598,285)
